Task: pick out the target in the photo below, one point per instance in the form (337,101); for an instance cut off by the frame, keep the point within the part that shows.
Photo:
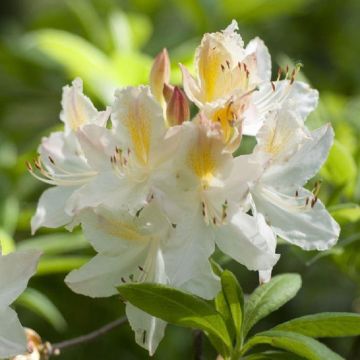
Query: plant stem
(58,347)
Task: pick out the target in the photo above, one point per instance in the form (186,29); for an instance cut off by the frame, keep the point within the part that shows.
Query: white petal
(77,109)
(231,39)
(204,283)
(281,136)
(101,276)
(111,191)
(265,276)
(191,87)
(65,151)
(12,334)
(98,145)
(258,49)
(138,121)
(15,271)
(309,228)
(297,97)
(102,229)
(149,330)
(188,249)
(302,99)
(50,211)
(304,163)
(268,234)
(243,240)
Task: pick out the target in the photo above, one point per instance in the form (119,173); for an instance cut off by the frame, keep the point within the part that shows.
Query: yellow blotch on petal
(226,118)
(121,229)
(210,65)
(277,140)
(139,127)
(202,158)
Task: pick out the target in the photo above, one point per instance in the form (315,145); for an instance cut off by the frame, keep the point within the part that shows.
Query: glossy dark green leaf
(298,344)
(270,297)
(234,297)
(324,325)
(177,307)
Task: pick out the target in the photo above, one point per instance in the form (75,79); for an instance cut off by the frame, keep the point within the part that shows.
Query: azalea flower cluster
(155,190)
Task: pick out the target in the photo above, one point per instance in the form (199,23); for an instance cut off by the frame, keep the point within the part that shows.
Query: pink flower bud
(160,74)
(178,109)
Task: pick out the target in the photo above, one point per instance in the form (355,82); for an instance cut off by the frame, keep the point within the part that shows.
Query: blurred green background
(44,44)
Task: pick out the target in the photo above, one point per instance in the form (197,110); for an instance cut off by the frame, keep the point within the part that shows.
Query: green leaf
(91,22)
(273,355)
(348,258)
(137,73)
(7,243)
(129,31)
(340,167)
(60,264)
(223,308)
(257,10)
(344,213)
(270,297)
(42,306)
(298,344)
(9,214)
(79,58)
(235,299)
(177,307)
(324,325)
(216,268)
(55,244)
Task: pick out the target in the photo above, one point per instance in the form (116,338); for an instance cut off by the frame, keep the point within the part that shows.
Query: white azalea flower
(70,159)
(15,271)
(145,148)
(139,249)
(233,83)
(212,201)
(291,155)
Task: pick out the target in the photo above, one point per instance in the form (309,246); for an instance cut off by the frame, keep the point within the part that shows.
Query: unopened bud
(168,92)
(177,108)
(160,74)
(36,348)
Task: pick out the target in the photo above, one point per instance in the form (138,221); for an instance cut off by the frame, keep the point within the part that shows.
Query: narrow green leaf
(42,306)
(222,307)
(216,268)
(177,307)
(273,355)
(218,345)
(298,344)
(270,297)
(55,244)
(324,325)
(60,264)
(235,299)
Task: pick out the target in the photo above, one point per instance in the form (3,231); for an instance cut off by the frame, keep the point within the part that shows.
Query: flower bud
(160,74)
(178,109)
(37,350)
(168,92)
